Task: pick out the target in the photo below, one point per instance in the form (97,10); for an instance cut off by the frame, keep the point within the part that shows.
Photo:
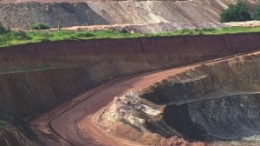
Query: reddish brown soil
(72,123)
(82,65)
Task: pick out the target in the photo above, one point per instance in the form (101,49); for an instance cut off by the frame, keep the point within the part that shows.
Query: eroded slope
(35,70)
(23,13)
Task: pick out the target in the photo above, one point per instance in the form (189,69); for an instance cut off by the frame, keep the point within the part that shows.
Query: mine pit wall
(228,78)
(218,101)
(88,63)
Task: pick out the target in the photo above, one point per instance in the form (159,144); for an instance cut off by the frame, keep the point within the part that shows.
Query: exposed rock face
(215,102)
(23,13)
(226,118)
(223,79)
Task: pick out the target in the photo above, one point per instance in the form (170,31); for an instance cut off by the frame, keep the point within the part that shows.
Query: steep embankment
(219,101)
(36,77)
(23,13)
(36,72)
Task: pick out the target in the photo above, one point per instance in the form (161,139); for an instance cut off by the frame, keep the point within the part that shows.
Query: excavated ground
(24,13)
(214,102)
(217,103)
(36,72)
(227,118)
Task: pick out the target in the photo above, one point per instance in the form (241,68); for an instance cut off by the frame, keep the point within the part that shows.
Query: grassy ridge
(17,38)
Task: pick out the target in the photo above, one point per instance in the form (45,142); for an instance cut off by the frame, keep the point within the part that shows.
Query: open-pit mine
(129,73)
(160,91)
(213,103)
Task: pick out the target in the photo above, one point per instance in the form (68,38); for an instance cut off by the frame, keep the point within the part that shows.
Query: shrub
(40,26)
(256,13)
(3,30)
(237,12)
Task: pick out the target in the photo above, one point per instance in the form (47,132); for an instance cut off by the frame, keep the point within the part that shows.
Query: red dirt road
(72,122)
(75,131)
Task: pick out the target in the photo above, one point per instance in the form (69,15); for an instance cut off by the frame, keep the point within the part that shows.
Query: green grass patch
(18,38)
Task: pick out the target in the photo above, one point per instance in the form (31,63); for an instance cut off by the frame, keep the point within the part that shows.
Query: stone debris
(177,141)
(126,106)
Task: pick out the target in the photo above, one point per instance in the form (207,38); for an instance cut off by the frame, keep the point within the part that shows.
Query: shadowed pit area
(226,118)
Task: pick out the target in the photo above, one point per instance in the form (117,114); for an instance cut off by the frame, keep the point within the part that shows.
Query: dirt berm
(35,77)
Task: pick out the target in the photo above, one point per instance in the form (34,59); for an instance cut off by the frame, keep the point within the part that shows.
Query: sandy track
(72,122)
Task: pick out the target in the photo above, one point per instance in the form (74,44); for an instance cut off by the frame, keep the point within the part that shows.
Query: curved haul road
(72,122)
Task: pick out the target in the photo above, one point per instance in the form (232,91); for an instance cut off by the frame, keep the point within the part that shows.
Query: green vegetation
(256,14)
(237,12)
(2,122)
(40,26)
(17,38)
(3,30)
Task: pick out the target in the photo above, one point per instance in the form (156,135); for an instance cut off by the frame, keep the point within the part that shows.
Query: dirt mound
(23,13)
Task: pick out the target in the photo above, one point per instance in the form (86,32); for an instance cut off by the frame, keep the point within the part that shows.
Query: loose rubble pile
(129,106)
